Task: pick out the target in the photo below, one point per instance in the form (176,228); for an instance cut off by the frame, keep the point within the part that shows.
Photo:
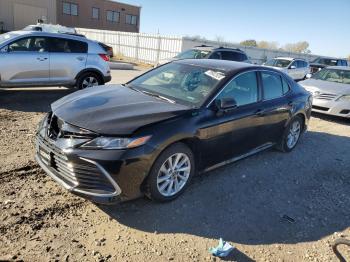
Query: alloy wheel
(294,134)
(90,81)
(173,174)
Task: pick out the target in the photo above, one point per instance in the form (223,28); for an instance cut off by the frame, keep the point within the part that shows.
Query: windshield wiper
(132,88)
(158,96)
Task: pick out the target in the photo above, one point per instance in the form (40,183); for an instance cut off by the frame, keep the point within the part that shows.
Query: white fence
(138,46)
(150,48)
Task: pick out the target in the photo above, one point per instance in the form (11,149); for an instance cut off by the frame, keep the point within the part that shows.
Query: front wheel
(291,135)
(171,173)
(88,80)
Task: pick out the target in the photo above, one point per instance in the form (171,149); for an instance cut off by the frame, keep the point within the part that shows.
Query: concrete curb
(123,66)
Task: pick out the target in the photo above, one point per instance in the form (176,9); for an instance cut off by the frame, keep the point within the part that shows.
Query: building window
(95,13)
(131,19)
(113,16)
(70,9)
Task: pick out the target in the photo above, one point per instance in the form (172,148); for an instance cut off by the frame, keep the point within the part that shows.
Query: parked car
(210,52)
(322,62)
(331,91)
(30,58)
(49,28)
(295,67)
(151,135)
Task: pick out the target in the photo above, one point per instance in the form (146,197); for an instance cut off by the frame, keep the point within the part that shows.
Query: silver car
(51,59)
(331,91)
(296,68)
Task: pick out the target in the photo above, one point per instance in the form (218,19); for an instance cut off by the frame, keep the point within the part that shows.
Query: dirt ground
(271,207)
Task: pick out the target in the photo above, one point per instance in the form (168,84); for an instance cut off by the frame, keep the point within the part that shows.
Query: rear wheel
(88,79)
(291,135)
(171,173)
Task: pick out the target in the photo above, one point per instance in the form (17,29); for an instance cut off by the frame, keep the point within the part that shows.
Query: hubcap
(89,82)
(173,174)
(294,134)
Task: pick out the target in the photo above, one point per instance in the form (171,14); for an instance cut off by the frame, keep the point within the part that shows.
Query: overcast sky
(325,24)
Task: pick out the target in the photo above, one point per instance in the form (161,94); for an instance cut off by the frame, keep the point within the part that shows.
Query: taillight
(104,57)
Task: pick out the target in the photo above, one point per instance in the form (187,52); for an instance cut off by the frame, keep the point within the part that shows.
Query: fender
(94,70)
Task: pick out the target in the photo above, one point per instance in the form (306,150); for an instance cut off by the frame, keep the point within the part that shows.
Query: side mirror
(225,104)
(308,76)
(293,67)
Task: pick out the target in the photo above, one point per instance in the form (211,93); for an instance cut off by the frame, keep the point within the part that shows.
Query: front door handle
(42,58)
(80,58)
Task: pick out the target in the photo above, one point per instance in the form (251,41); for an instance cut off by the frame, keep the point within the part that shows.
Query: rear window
(61,45)
(233,56)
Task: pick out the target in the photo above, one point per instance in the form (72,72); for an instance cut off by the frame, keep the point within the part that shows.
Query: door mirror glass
(293,67)
(226,103)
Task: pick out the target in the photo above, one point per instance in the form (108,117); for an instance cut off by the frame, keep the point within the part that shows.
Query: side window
(29,44)
(232,56)
(300,64)
(285,85)
(215,55)
(273,87)
(61,45)
(243,88)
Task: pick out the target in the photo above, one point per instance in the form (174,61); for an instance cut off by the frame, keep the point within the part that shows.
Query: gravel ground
(271,207)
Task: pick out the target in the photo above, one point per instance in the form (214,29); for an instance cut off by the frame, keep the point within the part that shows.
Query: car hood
(114,109)
(315,85)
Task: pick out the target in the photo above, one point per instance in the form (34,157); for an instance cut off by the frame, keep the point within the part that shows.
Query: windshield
(186,84)
(278,62)
(333,75)
(326,61)
(193,54)
(5,37)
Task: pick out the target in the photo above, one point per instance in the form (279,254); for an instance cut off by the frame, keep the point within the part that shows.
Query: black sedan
(153,134)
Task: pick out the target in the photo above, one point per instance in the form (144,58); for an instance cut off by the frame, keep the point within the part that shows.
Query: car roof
(222,65)
(339,67)
(212,48)
(290,58)
(38,33)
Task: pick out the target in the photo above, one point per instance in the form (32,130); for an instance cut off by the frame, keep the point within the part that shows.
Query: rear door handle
(80,58)
(42,58)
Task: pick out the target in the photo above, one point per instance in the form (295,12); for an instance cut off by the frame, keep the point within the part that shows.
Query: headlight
(345,98)
(115,143)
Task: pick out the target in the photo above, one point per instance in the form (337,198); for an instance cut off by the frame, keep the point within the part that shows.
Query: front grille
(80,175)
(325,96)
(321,108)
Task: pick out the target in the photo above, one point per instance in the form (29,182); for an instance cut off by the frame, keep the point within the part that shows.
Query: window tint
(273,87)
(70,9)
(243,88)
(300,64)
(95,13)
(294,64)
(233,56)
(215,55)
(113,16)
(29,44)
(61,45)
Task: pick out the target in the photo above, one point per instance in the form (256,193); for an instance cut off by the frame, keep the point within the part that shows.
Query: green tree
(249,42)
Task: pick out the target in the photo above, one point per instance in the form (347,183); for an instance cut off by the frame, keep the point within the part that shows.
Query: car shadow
(31,99)
(271,197)
(329,118)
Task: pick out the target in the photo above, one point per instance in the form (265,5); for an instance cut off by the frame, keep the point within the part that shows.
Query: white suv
(296,68)
(50,59)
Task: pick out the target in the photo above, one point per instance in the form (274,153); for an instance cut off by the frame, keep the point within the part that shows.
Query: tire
(291,135)
(88,79)
(162,180)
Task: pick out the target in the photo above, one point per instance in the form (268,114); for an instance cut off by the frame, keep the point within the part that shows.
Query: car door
(26,62)
(301,69)
(293,70)
(229,134)
(68,57)
(276,105)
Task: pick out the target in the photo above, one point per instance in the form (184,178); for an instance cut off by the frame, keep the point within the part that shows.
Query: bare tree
(249,42)
(299,47)
(219,39)
(268,45)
